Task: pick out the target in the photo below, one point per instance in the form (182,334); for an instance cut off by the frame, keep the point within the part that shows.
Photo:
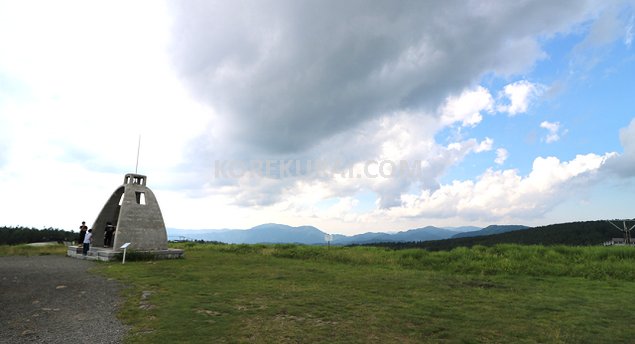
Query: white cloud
(467,107)
(554,131)
(627,138)
(84,80)
(519,95)
(501,156)
(499,194)
(484,146)
(4,143)
(624,164)
(406,137)
(343,209)
(85,88)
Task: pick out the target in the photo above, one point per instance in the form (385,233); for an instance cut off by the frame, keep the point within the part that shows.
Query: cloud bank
(454,85)
(360,81)
(285,75)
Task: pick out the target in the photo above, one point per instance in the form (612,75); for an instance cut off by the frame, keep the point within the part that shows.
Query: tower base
(108,254)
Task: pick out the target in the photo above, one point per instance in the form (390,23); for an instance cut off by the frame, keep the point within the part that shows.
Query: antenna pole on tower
(138,149)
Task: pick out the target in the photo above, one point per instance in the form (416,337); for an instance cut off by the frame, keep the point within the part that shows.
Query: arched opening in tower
(109,214)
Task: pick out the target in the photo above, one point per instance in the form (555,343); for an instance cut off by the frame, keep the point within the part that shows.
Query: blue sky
(517,112)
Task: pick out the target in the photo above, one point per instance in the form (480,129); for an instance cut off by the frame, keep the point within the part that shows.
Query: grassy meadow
(290,294)
(29,250)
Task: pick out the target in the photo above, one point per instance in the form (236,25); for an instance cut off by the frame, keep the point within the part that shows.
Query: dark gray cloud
(285,75)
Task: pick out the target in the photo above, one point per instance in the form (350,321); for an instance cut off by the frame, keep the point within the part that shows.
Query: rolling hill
(489,230)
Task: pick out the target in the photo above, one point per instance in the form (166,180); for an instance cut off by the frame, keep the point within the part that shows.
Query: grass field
(28,250)
(290,294)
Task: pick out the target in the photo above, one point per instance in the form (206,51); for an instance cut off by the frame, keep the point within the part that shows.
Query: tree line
(25,235)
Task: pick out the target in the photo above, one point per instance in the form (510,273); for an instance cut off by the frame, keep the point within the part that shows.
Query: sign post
(124,246)
(328,238)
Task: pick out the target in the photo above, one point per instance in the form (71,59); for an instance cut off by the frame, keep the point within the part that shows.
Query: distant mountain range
(431,238)
(309,235)
(583,233)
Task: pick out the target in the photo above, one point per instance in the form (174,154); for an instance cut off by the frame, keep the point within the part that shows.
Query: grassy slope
(286,293)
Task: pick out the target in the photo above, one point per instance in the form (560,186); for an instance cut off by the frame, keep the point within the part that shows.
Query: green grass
(290,294)
(27,250)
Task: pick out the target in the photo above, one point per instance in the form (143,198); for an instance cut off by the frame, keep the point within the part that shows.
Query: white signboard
(328,237)
(124,246)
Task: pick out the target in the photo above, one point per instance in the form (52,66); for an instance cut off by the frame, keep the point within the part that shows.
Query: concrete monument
(134,211)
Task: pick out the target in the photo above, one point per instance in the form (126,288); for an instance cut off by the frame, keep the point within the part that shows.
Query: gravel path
(53,299)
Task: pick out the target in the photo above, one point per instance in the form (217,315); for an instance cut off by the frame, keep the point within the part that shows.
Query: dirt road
(54,299)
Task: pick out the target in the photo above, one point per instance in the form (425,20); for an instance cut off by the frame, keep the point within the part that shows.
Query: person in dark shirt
(82,233)
(109,233)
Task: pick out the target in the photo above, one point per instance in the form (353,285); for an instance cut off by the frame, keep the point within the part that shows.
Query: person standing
(87,240)
(82,233)
(109,232)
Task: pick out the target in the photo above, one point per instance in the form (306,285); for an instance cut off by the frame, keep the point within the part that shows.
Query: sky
(351,116)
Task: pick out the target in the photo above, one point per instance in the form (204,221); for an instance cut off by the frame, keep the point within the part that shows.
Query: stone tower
(134,211)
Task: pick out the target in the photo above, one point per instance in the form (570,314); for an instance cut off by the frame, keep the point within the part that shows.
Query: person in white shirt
(87,240)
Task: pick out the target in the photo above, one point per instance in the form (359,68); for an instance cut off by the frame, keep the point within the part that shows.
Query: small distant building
(134,211)
(617,242)
(627,239)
